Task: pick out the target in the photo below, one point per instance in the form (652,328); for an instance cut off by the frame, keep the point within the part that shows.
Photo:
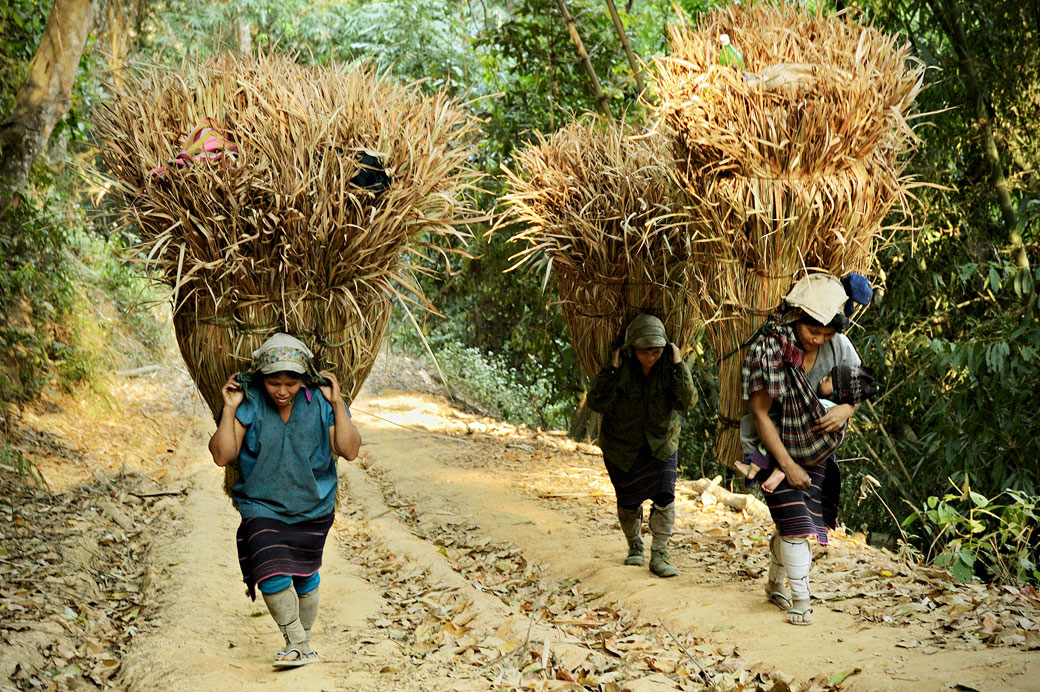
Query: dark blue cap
(857,288)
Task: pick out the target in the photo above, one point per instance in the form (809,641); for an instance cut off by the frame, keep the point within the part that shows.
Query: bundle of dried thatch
(277,230)
(596,208)
(792,161)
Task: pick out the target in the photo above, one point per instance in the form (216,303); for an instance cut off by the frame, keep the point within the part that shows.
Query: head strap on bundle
(281,353)
(820,296)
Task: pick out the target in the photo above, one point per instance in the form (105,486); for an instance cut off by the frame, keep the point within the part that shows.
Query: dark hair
(839,324)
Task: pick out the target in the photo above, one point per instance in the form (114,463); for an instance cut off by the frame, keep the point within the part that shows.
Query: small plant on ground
(975,536)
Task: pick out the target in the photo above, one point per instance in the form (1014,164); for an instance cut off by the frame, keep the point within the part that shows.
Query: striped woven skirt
(647,478)
(269,547)
(808,512)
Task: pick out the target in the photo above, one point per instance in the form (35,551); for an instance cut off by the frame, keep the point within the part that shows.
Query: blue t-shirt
(288,469)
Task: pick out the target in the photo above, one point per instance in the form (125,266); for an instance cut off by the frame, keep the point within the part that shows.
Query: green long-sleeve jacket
(640,409)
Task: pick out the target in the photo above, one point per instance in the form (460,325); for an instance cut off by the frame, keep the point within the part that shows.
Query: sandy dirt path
(468,555)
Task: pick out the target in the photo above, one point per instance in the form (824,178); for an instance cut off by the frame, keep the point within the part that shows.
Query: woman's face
(282,388)
(648,356)
(812,337)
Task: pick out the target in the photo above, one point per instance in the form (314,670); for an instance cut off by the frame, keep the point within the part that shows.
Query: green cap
(646,331)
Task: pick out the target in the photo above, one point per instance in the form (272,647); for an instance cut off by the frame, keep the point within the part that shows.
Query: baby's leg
(775,478)
(747,470)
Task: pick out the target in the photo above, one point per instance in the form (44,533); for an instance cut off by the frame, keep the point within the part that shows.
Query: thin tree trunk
(948,14)
(601,98)
(245,35)
(632,61)
(119,35)
(45,97)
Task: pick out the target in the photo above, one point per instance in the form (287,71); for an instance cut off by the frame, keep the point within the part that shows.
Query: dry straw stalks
(277,238)
(595,207)
(791,162)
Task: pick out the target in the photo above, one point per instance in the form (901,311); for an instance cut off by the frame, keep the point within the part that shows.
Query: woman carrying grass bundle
(780,376)
(640,394)
(284,436)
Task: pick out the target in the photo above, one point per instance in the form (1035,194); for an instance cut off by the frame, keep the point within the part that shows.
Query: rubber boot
(285,609)
(632,525)
(662,519)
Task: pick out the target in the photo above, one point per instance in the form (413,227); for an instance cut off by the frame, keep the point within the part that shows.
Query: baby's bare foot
(775,478)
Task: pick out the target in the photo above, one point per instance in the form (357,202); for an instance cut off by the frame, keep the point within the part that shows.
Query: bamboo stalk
(637,71)
(601,98)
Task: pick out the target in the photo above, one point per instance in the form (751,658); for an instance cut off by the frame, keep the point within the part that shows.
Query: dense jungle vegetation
(945,459)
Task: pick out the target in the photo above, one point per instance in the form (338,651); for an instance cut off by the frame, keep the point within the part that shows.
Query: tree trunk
(949,16)
(118,32)
(245,34)
(45,97)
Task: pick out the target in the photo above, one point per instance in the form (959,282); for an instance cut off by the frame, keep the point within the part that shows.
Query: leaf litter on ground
(721,545)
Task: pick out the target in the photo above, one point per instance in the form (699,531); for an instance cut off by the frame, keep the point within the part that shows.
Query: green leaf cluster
(975,536)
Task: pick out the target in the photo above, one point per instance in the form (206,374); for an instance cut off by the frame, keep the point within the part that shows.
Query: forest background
(946,460)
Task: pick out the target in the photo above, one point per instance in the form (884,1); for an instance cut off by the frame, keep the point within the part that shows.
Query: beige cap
(820,295)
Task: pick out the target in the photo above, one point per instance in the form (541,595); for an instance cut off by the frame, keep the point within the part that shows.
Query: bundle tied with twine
(792,160)
(278,225)
(596,208)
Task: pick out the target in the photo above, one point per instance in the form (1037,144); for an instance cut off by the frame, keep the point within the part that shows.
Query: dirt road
(469,555)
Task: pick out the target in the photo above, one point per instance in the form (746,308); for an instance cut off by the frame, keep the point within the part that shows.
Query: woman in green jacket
(640,394)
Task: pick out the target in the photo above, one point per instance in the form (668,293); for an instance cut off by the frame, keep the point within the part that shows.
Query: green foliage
(21,26)
(975,536)
(137,297)
(13,461)
(35,293)
(486,381)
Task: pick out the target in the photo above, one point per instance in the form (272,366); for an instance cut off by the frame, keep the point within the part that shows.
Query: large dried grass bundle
(275,236)
(791,163)
(595,207)
(275,230)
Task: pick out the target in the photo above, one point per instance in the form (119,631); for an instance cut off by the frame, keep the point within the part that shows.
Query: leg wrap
(797,558)
(285,609)
(662,519)
(308,610)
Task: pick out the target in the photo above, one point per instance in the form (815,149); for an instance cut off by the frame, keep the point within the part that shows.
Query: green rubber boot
(631,521)
(659,564)
(661,521)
